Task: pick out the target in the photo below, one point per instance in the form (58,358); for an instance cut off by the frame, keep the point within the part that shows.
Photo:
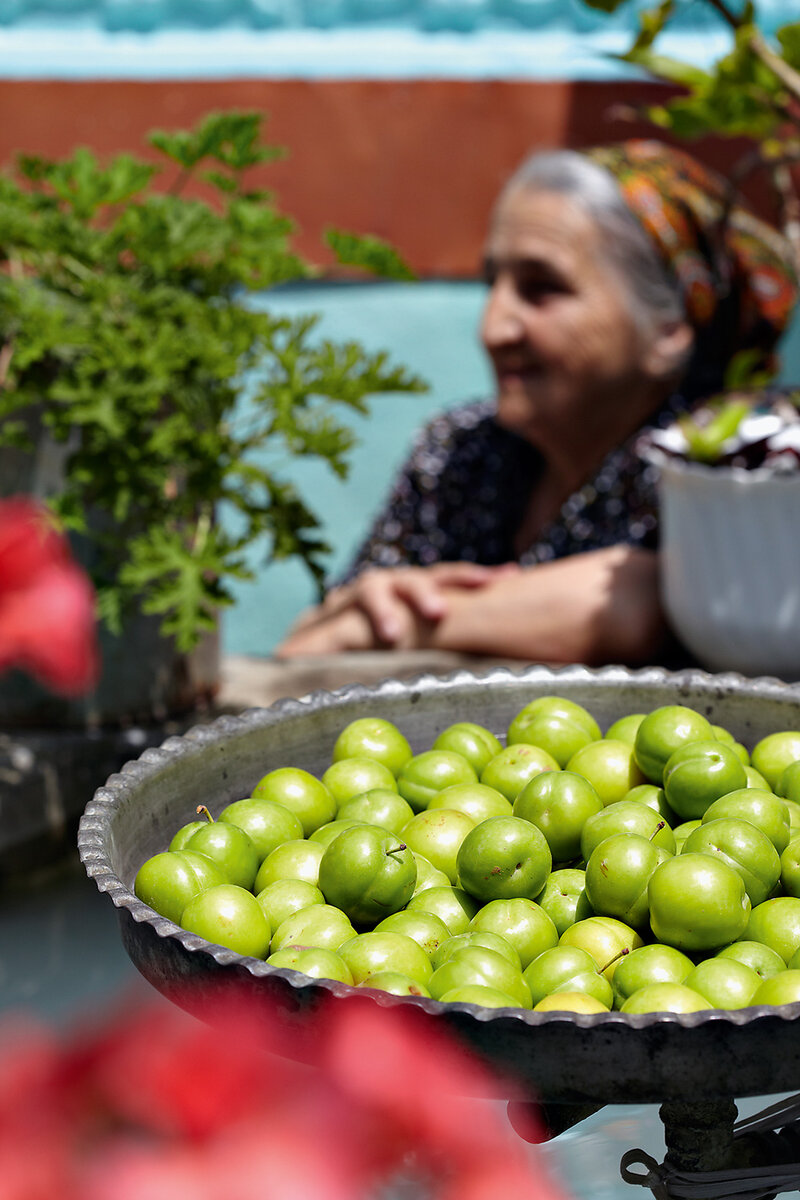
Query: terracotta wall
(415,161)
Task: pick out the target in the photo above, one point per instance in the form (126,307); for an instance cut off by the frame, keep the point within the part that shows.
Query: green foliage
(752,91)
(705,439)
(370,253)
(127,335)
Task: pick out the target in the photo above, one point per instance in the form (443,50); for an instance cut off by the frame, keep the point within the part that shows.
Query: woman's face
(571,364)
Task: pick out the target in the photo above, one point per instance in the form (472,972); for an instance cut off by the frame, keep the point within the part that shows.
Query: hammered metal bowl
(561,1058)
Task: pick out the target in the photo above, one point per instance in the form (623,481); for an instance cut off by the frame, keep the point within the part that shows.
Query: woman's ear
(670,351)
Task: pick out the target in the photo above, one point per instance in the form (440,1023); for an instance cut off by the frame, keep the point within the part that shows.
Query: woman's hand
(386,608)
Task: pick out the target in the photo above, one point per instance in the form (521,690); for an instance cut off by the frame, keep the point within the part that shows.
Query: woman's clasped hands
(388,608)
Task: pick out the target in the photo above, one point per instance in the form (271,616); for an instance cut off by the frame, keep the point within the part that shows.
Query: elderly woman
(527,526)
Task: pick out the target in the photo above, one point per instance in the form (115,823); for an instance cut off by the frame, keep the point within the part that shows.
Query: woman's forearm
(598,607)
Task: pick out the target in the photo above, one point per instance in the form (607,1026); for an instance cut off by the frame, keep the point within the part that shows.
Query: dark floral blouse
(463,491)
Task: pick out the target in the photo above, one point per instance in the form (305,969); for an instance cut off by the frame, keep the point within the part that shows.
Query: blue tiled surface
(469,39)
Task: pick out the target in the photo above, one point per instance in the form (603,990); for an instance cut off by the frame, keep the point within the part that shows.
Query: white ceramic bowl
(730,578)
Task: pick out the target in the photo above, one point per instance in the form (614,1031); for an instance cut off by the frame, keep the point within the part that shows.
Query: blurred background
(401,118)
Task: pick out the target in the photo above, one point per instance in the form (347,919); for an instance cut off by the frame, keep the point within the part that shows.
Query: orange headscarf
(736,273)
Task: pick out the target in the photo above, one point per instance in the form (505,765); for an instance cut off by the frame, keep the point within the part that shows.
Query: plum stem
(201,808)
(657,829)
(620,954)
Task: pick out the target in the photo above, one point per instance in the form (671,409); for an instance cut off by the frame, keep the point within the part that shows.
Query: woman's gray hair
(653,292)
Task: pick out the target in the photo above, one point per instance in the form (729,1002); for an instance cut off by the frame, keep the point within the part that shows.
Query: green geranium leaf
(369,253)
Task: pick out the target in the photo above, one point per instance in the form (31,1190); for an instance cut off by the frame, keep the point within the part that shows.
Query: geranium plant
(126,336)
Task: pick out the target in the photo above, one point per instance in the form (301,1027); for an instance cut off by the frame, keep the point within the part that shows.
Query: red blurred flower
(47,611)
(156,1106)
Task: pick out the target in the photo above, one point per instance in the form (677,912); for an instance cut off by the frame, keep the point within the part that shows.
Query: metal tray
(560,1058)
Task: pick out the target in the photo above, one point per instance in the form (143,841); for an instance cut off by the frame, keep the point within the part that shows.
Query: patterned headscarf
(736,275)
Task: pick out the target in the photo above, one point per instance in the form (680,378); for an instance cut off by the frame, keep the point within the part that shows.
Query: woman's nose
(501,322)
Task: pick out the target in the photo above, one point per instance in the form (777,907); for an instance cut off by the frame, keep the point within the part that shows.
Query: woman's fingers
(387,595)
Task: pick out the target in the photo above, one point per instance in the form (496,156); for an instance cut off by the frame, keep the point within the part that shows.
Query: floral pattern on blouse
(462,494)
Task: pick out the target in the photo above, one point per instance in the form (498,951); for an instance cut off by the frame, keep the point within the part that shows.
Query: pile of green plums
(653,868)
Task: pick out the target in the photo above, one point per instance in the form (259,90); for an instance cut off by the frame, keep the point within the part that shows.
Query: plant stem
(779,67)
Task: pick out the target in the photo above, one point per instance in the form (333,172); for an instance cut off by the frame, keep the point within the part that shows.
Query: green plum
(475,799)
(368,873)
(502,858)
(661,733)
(790,869)
(653,963)
(475,937)
(348,777)
(655,798)
(437,834)
(320,925)
(626,816)
(266,823)
(367,953)
(765,961)
(330,831)
(780,989)
(168,881)
(476,993)
(298,859)
(776,923)
(522,922)
(480,965)
(724,982)
(379,806)
(428,875)
(681,833)
(566,969)
(180,839)
(511,769)
(373,737)
(576,1002)
(743,847)
(774,753)
(427,773)
(697,903)
(558,734)
(698,773)
(763,809)
(300,792)
(605,938)
(315,961)
(453,905)
(624,729)
(476,743)
(283,897)
(558,803)
(229,916)
(617,876)
(564,898)
(427,931)
(395,983)
(788,785)
(610,768)
(558,706)
(665,997)
(231,849)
